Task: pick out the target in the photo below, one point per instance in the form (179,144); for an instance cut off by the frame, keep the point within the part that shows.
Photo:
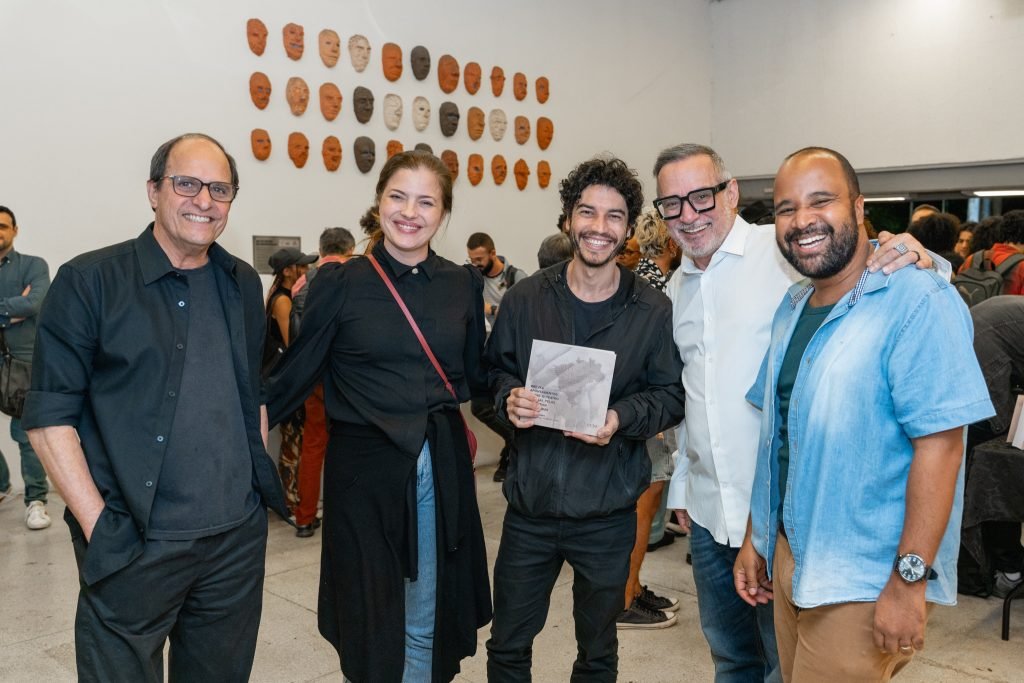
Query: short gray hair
(689,149)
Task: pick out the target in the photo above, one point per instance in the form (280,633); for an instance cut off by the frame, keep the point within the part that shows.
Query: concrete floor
(38,588)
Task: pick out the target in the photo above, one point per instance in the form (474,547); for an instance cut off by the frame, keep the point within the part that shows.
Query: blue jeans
(421,594)
(741,637)
(32,470)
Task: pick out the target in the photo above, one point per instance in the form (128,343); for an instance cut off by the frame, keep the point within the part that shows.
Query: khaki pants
(833,643)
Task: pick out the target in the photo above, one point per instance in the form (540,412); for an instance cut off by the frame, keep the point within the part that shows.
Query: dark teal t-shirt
(810,320)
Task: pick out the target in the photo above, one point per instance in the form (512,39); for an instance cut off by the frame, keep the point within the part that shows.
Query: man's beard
(486,267)
(578,249)
(841,249)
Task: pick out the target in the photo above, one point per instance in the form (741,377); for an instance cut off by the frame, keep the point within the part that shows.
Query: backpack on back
(976,284)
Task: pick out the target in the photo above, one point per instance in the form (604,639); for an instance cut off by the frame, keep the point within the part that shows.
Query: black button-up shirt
(108,361)
(375,372)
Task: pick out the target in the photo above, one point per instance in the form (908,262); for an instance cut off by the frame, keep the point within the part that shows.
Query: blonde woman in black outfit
(403,585)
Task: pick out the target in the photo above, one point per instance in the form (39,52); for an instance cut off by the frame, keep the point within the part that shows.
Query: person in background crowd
(939,232)
(145,411)
(403,585)
(964,243)
(920,211)
(998,335)
(986,234)
(336,247)
(658,253)
(24,281)
(288,264)
(499,276)
(554,249)
(1011,243)
(629,257)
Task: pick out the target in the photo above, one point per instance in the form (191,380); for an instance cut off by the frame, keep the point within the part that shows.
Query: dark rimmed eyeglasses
(702,200)
(187,186)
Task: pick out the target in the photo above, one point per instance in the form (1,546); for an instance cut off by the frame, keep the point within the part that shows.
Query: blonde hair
(651,234)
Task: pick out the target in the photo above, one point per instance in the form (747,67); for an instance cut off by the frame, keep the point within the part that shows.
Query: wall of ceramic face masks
(413,85)
(114,80)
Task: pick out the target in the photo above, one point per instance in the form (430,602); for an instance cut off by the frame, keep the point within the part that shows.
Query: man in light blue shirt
(857,493)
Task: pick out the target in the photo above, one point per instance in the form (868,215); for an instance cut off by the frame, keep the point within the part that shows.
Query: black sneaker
(667,539)
(653,601)
(638,616)
(306,530)
(499,474)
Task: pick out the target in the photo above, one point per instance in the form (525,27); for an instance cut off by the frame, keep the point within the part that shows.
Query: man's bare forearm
(61,453)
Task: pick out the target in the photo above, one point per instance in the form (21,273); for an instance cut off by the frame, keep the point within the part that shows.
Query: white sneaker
(4,494)
(36,516)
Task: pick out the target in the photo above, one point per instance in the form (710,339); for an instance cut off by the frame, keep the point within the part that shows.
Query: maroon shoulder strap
(412,324)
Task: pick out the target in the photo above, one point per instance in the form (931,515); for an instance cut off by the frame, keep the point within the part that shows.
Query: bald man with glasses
(145,411)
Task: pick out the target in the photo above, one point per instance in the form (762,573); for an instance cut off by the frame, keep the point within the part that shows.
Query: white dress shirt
(721,320)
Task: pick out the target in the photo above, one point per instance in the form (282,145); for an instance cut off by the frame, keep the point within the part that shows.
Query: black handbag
(15,379)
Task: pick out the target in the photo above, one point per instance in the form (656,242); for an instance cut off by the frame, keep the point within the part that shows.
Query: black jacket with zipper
(551,475)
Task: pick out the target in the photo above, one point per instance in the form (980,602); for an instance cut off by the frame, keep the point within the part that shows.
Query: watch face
(910,567)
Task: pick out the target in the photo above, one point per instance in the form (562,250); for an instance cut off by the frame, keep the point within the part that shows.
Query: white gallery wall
(91,89)
(890,83)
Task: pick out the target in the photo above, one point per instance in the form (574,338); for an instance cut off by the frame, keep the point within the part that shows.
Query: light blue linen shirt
(892,362)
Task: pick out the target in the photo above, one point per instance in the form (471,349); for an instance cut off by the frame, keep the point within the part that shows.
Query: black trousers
(529,559)
(206,595)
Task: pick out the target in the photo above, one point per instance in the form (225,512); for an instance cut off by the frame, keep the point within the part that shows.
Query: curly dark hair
(1012,229)
(988,232)
(610,172)
(938,232)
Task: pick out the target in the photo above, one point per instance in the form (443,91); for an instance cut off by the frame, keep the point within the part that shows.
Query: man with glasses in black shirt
(145,411)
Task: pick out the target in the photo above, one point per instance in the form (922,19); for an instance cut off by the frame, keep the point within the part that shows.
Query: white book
(573,384)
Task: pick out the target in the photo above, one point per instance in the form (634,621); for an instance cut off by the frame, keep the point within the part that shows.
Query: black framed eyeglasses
(702,200)
(187,186)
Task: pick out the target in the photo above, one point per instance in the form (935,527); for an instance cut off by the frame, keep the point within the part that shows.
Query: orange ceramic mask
(471,77)
(447,73)
(545,131)
(294,41)
(519,86)
(497,81)
(499,169)
(330,101)
(298,149)
(331,152)
(522,173)
(451,160)
(543,173)
(475,122)
(394,147)
(256,34)
(260,140)
(542,89)
(522,129)
(391,58)
(475,169)
(259,89)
